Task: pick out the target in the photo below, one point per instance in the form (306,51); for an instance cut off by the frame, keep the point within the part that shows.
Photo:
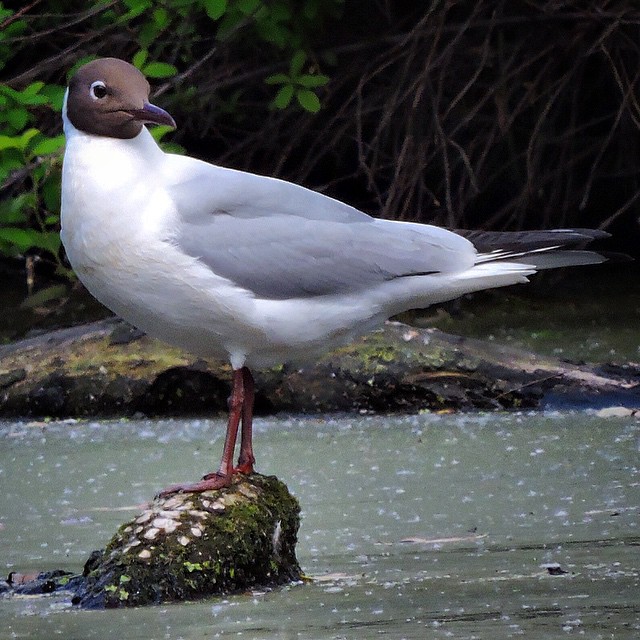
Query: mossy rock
(189,546)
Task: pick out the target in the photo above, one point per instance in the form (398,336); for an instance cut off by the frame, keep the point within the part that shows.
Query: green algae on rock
(187,546)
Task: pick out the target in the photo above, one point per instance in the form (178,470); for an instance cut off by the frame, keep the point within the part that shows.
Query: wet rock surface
(41,583)
(107,369)
(186,546)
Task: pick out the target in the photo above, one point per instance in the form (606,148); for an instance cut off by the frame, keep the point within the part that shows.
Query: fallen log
(108,369)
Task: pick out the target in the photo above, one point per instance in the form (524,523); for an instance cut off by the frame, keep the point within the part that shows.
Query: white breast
(117,222)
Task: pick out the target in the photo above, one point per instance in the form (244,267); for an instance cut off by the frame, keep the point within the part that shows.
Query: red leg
(246,458)
(222,477)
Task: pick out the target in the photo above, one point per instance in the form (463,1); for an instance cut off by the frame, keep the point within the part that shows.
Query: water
(413,527)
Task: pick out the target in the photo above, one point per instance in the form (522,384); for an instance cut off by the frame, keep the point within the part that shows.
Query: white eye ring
(98,90)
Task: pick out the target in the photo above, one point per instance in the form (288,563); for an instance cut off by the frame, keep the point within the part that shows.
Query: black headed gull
(250,268)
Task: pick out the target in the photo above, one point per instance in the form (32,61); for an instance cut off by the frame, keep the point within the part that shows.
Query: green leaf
(33,88)
(17,118)
(13,29)
(215,8)
(8,249)
(278,78)
(6,90)
(311,81)
(161,18)
(12,160)
(48,145)
(10,142)
(228,24)
(173,147)
(31,95)
(47,240)
(158,132)
(308,100)
(34,101)
(159,70)
(148,34)
(26,137)
(136,7)
(15,211)
(297,62)
(41,297)
(21,239)
(51,198)
(140,58)
(63,272)
(283,97)
(183,6)
(55,95)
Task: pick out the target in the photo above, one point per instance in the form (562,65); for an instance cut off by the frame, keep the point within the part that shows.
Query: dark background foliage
(501,115)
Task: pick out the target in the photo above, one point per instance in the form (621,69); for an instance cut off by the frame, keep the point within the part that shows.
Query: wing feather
(280,240)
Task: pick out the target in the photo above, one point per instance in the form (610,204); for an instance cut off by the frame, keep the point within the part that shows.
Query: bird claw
(245,468)
(210,482)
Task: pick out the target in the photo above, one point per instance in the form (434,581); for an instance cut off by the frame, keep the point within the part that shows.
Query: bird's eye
(98,90)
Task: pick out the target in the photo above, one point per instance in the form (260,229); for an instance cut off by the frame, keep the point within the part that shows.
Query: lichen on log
(187,546)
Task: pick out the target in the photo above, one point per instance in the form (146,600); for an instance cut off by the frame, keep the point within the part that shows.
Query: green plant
(30,163)
(153,70)
(299,84)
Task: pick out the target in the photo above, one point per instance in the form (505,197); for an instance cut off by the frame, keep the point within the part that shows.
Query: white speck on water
(519,495)
(335,589)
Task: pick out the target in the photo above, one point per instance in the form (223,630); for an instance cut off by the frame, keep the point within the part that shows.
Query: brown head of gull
(250,268)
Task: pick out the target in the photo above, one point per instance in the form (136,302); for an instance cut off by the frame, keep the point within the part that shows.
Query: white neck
(98,172)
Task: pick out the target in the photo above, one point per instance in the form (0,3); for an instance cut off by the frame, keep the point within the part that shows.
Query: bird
(253,269)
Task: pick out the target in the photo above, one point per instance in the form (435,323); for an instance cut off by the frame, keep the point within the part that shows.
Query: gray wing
(282,241)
